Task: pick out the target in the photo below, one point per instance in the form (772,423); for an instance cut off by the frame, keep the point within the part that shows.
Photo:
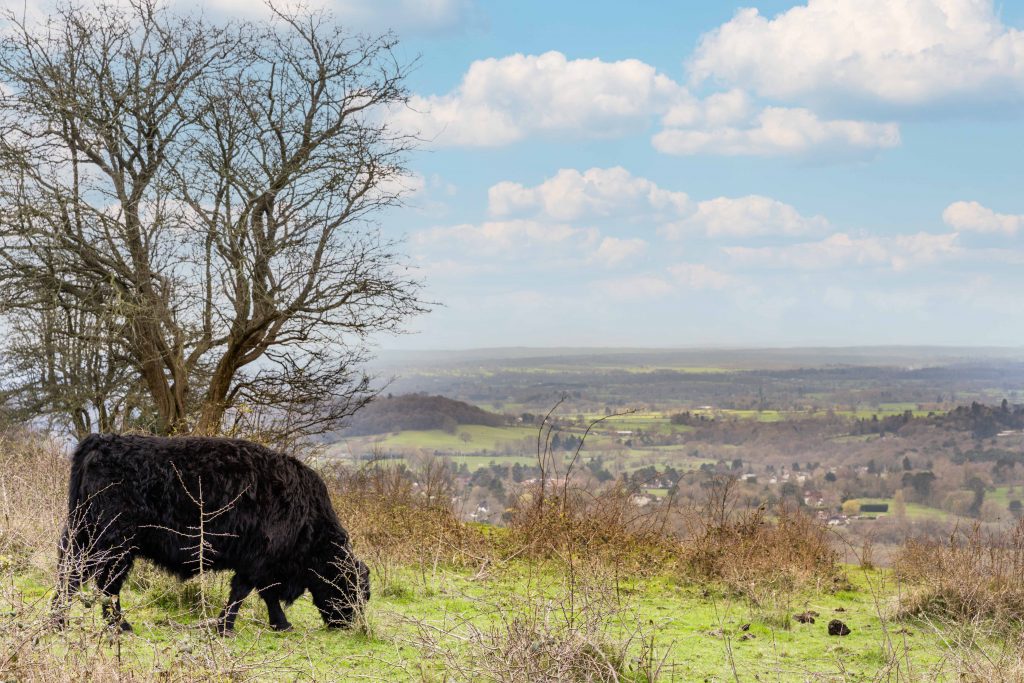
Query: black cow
(258,512)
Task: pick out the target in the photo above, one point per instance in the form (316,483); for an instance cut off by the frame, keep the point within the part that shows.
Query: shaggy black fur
(264,515)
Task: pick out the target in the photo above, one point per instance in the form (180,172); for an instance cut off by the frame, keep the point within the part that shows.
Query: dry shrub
(28,656)
(559,517)
(33,497)
(758,553)
(394,522)
(607,525)
(975,659)
(970,576)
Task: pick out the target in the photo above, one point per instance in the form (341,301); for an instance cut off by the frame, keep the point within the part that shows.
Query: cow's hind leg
(272,597)
(240,588)
(110,576)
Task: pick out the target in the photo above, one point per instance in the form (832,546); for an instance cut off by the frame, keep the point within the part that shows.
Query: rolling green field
(608,433)
(914,510)
(480,438)
(655,423)
(1002,495)
(425,623)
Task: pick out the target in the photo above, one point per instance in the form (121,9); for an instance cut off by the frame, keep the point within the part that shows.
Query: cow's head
(341,587)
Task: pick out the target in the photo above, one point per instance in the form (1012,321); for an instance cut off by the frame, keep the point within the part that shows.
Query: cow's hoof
(281,628)
(122,626)
(215,625)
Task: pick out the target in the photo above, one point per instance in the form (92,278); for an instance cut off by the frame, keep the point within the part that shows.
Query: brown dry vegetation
(33,496)
(754,553)
(971,576)
(606,525)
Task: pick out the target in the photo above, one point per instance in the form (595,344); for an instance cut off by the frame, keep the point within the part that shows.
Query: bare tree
(200,199)
(61,363)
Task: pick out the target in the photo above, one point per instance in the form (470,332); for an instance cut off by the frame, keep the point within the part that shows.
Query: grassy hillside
(679,631)
(582,585)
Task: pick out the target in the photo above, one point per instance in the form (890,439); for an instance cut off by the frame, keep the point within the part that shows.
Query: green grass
(480,438)
(698,632)
(760,415)
(914,510)
(519,440)
(1002,495)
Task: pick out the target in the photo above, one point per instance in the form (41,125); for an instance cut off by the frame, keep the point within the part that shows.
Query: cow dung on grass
(838,628)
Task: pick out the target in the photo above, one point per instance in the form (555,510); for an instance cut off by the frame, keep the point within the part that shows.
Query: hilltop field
(454,624)
(582,588)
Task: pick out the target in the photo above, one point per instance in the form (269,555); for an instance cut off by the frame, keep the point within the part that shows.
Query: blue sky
(765,173)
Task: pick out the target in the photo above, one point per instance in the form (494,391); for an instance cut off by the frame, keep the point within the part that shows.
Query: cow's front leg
(240,588)
(278,621)
(109,579)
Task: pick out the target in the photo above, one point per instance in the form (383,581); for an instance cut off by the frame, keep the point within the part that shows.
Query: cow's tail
(76,497)
(71,559)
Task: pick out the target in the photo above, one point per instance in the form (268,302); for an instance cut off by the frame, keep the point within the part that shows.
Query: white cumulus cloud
(525,240)
(635,288)
(500,101)
(505,237)
(900,52)
(973,217)
(615,193)
(840,250)
(749,216)
(504,100)
(597,192)
(780,131)
(719,109)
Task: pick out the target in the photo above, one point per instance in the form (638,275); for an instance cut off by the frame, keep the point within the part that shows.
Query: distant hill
(418,411)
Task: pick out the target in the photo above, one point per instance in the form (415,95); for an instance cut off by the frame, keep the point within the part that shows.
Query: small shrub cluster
(974,663)
(393,521)
(33,496)
(756,553)
(971,576)
(606,525)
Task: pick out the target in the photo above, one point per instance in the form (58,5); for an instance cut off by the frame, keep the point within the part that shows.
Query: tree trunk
(215,403)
